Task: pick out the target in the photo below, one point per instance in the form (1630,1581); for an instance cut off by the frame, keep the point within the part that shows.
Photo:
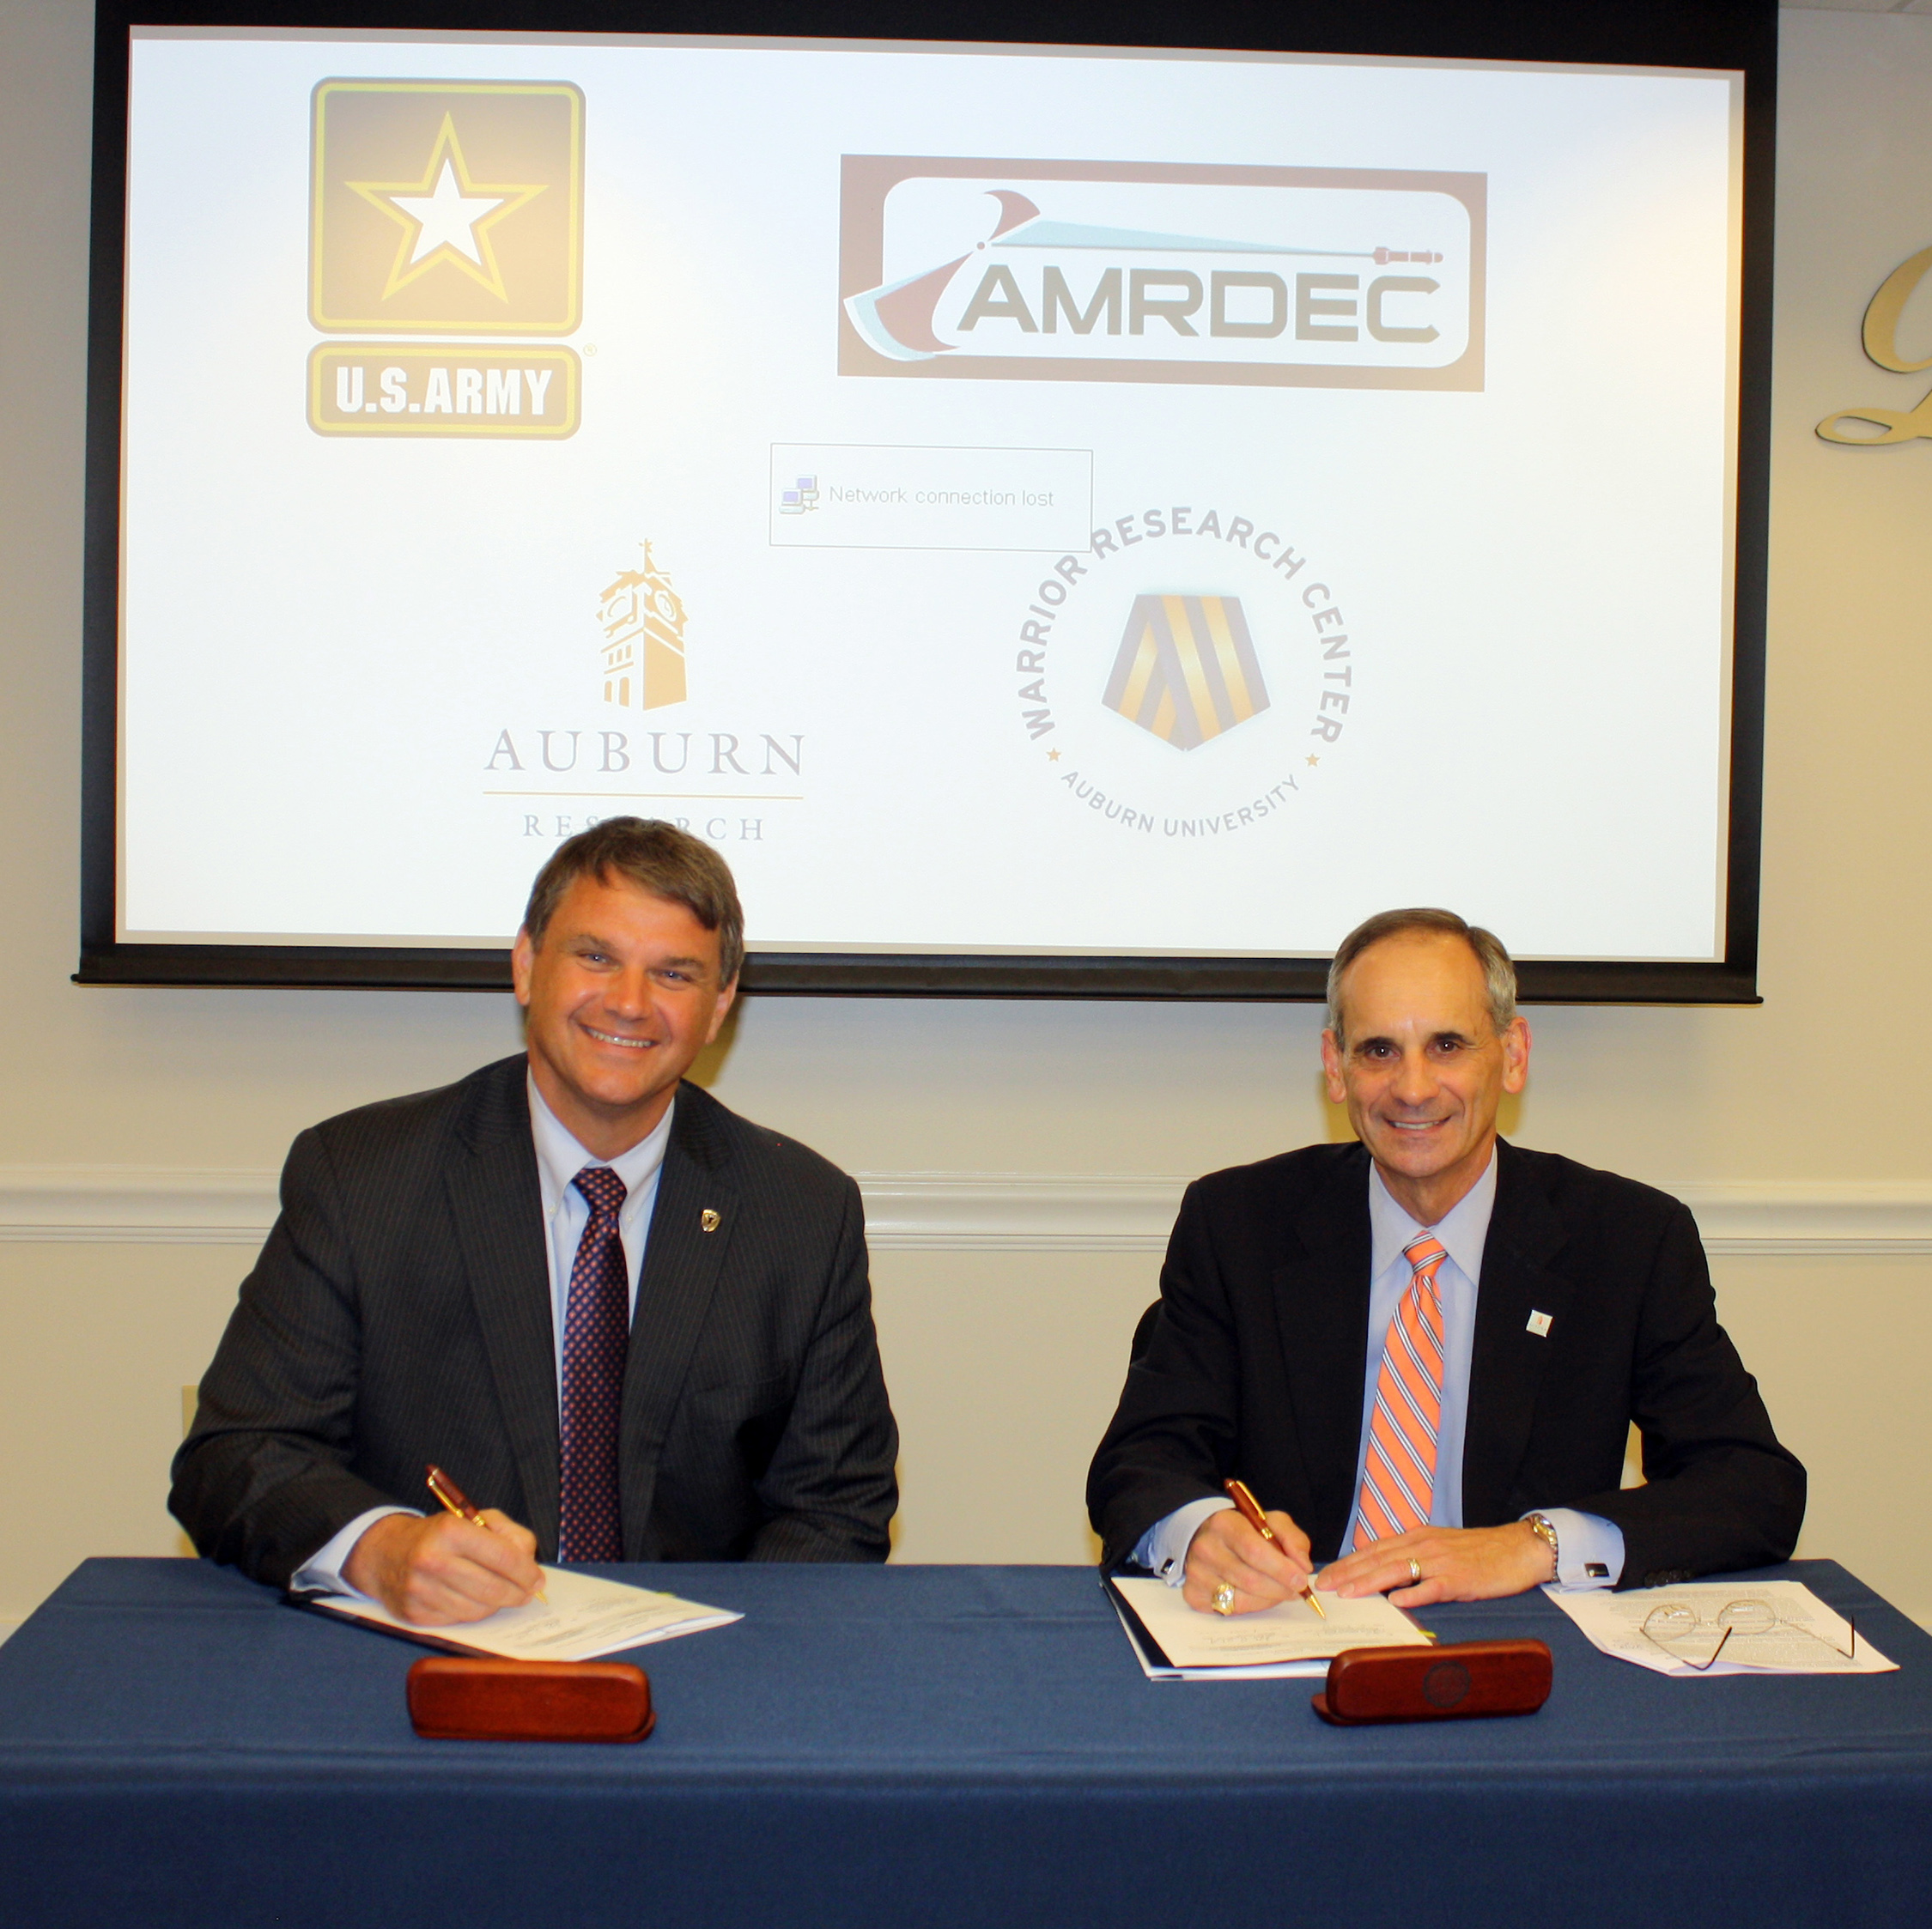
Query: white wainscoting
(946,1211)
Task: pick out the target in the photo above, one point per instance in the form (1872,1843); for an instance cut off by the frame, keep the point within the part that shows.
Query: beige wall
(1005,1363)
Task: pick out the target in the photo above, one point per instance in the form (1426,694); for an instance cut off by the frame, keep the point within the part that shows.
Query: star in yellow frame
(509,195)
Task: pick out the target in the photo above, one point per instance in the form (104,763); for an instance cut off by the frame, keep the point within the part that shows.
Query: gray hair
(1499,975)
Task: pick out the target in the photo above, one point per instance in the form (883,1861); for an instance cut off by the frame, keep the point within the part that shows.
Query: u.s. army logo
(451,206)
(1186,669)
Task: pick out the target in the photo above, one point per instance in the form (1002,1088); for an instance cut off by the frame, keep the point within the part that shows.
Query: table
(929,1746)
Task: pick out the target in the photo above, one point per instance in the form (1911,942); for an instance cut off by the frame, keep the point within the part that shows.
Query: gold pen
(1239,1493)
(451,1496)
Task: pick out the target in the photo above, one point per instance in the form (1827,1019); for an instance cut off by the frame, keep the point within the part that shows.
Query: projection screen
(1059,519)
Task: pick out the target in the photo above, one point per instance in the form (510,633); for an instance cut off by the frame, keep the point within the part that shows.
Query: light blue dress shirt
(1584,1540)
(559,1158)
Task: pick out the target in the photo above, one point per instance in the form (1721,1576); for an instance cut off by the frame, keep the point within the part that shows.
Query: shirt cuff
(1590,1547)
(321,1574)
(1163,1550)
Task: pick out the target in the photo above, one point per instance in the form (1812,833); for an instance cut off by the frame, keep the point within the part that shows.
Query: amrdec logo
(1119,271)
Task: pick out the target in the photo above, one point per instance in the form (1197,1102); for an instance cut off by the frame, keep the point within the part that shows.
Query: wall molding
(945,1211)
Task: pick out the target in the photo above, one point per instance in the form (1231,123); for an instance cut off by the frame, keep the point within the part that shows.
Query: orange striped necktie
(1399,1470)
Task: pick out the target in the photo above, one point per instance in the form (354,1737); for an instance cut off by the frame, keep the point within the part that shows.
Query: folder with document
(1173,1642)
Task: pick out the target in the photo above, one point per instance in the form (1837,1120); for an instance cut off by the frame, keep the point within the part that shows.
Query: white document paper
(1271,1644)
(583,1617)
(1723,1627)
(1156,1671)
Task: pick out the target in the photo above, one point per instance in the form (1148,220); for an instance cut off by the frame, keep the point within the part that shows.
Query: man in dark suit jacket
(410,1305)
(1585,1305)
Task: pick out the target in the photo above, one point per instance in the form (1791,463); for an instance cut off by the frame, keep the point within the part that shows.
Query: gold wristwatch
(1544,1528)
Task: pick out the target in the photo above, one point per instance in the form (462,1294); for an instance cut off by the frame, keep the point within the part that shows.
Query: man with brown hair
(632,1325)
(1424,1351)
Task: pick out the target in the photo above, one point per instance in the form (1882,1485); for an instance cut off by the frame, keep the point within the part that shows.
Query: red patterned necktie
(1399,1470)
(596,1336)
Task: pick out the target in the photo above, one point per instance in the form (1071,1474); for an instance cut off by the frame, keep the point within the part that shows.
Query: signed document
(1724,1628)
(584,1616)
(1174,1643)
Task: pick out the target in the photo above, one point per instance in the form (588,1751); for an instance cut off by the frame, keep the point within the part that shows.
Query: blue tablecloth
(923,1746)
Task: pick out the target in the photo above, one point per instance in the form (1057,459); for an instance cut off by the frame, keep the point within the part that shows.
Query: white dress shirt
(1586,1542)
(559,1158)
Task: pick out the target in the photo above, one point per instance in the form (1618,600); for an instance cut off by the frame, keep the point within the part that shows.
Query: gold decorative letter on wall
(1881,344)
(1881,318)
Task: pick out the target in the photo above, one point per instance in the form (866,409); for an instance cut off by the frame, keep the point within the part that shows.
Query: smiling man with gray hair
(1424,1351)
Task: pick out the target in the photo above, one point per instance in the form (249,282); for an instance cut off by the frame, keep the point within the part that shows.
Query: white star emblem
(450,220)
(449,217)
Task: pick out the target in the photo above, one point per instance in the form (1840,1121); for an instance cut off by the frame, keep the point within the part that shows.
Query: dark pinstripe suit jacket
(1251,1361)
(400,1313)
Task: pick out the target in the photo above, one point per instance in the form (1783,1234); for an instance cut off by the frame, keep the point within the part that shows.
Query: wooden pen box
(1435,1683)
(457,1697)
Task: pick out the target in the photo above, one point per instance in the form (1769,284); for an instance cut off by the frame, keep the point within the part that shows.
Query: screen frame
(1739,35)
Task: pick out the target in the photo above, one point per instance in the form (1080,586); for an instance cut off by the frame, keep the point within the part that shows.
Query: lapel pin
(1539,1324)
(709,1220)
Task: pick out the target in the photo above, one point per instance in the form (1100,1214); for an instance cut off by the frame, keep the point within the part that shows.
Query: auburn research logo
(1126,271)
(447,208)
(642,618)
(1186,669)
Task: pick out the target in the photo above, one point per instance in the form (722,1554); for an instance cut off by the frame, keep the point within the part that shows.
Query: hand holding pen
(455,1502)
(1239,1492)
(449,1567)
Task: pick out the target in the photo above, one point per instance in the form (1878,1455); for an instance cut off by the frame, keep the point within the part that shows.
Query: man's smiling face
(1423,1069)
(620,997)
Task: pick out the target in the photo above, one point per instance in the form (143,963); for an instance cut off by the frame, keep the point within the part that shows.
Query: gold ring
(1223,1597)
(1415,1570)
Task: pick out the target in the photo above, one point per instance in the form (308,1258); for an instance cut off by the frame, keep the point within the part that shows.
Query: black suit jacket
(400,1313)
(1253,1362)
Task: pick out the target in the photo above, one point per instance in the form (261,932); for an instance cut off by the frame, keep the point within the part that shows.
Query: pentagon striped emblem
(1186,669)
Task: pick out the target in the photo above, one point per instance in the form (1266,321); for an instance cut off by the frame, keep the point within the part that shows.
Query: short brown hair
(1499,975)
(657,857)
